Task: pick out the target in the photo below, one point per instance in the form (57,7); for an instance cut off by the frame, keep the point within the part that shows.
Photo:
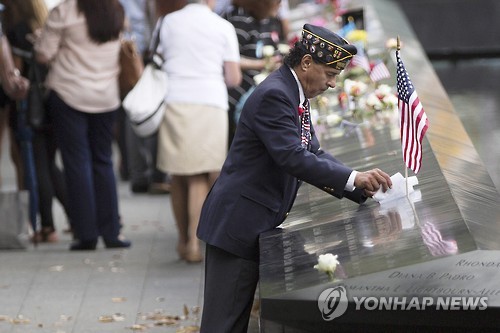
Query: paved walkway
(142,289)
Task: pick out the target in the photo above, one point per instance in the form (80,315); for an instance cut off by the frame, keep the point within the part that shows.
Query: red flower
(301,110)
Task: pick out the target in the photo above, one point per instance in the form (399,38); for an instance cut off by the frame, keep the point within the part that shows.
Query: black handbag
(37,115)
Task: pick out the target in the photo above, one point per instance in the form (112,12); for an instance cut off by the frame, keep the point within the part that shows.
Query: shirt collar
(302,96)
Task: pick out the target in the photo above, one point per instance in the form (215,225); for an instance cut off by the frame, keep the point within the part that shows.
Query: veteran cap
(327,47)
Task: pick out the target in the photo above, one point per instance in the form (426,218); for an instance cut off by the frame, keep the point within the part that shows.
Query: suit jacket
(264,168)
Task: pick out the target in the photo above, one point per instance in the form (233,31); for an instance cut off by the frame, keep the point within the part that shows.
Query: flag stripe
(361,60)
(379,72)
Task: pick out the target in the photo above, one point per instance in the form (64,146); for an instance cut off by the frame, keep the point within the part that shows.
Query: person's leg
(197,192)
(4,116)
(230,284)
(159,181)
(212,177)
(100,136)
(71,129)
(121,139)
(178,195)
(138,160)
(15,149)
(45,188)
(56,173)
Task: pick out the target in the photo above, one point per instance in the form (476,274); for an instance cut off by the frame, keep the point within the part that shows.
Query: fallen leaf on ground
(118,299)
(188,329)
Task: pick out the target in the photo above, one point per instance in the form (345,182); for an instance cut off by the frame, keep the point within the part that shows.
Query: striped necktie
(305,125)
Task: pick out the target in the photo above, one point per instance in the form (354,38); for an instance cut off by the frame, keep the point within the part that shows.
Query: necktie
(305,125)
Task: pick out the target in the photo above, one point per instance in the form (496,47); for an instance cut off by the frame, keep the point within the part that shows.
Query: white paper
(394,200)
(398,189)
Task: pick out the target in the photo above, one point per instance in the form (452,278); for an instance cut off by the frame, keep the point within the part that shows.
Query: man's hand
(372,180)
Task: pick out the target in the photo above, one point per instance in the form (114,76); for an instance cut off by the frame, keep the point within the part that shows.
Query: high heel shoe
(79,245)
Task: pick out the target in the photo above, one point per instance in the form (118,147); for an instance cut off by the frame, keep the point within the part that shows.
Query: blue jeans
(85,142)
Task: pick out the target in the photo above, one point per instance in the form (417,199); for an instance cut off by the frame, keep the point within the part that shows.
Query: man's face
(317,77)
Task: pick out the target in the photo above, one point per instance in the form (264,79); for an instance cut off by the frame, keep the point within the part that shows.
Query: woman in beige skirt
(201,61)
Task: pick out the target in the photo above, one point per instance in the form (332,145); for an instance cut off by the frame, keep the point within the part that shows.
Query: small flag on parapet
(379,72)
(361,60)
(413,120)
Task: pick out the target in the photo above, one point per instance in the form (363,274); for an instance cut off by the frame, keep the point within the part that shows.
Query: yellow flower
(357,36)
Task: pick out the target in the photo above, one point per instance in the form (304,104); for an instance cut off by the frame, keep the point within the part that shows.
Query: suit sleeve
(275,122)
(357,195)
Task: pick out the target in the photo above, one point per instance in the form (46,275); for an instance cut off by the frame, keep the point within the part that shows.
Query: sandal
(46,235)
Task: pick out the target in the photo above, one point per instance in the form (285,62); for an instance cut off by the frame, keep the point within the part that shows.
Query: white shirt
(195,42)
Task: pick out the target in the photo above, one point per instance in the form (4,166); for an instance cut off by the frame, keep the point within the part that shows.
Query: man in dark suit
(274,149)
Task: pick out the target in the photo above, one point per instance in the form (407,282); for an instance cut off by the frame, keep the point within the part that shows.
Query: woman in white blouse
(201,61)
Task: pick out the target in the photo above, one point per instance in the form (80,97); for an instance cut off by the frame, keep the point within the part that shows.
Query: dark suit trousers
(230,283)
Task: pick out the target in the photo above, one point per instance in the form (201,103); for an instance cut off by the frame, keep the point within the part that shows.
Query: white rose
(358,88)
(384,89)
(390,100)
(333,119)
(327,263)
(268,51)
(284,48)
(373,101)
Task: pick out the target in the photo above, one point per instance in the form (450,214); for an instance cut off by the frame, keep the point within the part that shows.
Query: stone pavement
(142,289)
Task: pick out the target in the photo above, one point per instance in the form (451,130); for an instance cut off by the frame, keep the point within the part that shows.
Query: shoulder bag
(131,66)
(144,104)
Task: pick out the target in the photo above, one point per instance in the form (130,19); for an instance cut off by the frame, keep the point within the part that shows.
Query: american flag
(361,60)
(379,72)
(413,120)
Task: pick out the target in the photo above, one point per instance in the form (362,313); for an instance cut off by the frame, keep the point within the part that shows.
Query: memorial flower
(327,263)
(373,102)
(383,90)
(283,48)
(355,88)
(388,99)
(357,35)
(333,119)
(268,51)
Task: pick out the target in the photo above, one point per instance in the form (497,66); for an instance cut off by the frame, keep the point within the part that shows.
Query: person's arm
(14,85)
(48,40)
(232,74)
(271,64)
(360,185)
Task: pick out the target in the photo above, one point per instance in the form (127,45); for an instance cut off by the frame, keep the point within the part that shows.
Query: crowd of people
(229,178)
(78,62)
